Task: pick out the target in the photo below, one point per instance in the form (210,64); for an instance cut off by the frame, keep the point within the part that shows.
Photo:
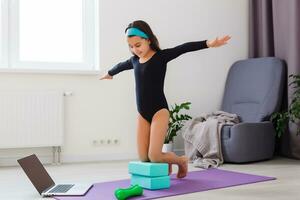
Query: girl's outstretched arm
(172,53)
(126,65)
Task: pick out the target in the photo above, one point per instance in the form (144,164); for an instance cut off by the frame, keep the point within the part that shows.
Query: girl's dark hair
(143,26)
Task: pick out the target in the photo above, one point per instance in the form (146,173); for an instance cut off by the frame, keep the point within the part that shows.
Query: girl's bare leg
(143,138)
(158,130)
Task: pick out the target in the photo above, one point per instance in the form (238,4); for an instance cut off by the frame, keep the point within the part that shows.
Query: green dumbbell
(124,193)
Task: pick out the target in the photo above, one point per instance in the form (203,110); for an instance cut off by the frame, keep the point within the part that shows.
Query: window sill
(57,72)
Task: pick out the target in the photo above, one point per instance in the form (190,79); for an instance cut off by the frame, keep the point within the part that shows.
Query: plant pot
(167,147)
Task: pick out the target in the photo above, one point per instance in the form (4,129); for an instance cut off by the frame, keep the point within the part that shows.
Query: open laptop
(44,184)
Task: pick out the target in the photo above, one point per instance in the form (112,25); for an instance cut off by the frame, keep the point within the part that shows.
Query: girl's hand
(218,42)
(106,76)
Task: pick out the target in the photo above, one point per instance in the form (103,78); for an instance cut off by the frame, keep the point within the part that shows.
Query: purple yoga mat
(195,181)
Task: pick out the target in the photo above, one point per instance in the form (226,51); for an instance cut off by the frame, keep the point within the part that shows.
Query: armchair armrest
(249,141)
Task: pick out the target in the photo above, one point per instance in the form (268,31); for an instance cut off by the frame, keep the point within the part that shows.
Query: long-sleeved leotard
(150,76)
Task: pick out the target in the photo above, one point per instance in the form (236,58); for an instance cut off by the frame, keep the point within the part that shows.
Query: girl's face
(139,46)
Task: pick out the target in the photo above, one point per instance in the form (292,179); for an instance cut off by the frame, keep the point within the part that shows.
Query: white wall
(106,109)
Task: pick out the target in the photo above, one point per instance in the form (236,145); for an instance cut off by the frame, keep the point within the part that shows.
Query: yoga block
(151,183)
(148,168)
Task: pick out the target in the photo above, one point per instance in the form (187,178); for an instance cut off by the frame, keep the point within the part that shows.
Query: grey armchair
(253,91)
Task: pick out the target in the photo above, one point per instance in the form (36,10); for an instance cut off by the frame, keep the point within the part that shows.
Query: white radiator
(31,119)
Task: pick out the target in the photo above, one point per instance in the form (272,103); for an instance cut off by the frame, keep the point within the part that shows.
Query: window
(48,34)
(3,34)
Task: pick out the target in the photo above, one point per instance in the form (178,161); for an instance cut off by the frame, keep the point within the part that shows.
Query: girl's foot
(170,168)
(182,167)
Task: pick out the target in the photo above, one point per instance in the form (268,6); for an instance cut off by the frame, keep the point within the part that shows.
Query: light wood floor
(14,185)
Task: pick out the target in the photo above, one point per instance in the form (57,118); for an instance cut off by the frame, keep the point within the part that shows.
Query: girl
(150,63)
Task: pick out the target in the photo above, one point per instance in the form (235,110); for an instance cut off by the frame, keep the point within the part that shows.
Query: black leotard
(150,76)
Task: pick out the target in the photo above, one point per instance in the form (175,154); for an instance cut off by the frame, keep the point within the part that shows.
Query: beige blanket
(202,138)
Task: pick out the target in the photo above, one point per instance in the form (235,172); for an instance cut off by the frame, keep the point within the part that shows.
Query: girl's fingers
(224,40)
(227,37)
(220,41)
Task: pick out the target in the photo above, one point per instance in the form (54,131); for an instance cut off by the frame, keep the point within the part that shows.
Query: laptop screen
(36,172)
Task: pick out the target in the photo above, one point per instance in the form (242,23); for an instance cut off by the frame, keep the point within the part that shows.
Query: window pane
(1,35)
(50,30)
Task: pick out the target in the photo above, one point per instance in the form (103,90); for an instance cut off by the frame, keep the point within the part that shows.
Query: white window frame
(4,34)
(11,61)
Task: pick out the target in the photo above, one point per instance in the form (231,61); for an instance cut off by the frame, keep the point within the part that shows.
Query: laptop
(44,184)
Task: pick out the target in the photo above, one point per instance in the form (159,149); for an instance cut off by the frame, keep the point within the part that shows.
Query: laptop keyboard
(61,188)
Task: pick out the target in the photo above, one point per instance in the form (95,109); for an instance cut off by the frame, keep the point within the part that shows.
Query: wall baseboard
(72,158)
(47,159)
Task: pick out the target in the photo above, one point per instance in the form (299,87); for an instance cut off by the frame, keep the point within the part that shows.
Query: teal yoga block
(151,183)
(148,168)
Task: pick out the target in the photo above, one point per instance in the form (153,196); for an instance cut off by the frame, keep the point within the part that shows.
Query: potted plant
(176,122)
(292,114)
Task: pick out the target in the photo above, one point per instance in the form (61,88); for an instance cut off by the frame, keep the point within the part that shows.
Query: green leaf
(177,119)
(292,114)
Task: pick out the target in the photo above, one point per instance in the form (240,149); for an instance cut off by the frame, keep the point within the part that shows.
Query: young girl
(150,63)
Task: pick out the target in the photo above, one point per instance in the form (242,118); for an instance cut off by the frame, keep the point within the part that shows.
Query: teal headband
(136,32)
